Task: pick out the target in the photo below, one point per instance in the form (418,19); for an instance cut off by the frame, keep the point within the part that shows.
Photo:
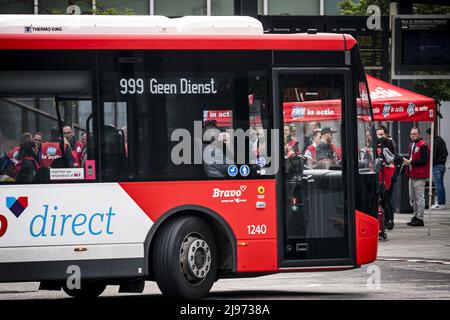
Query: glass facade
(175,8)
(294,7)
(331,7)
(221,7)
(172,8)
(138,7)
(63,7)
(16,7)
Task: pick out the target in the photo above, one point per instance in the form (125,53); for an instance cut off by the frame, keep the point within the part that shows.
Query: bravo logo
(230,195)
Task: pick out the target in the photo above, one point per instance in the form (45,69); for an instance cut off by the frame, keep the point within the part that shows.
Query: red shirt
(19,163)
(79,148)
(50,151)
(13,153)
(310,151)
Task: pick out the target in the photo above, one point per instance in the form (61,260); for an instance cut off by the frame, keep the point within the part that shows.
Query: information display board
(373,42)
(421,43)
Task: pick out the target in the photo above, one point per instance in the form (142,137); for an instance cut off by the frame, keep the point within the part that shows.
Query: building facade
(170,7)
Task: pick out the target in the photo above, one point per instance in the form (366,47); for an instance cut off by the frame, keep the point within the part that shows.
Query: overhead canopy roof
(392,103)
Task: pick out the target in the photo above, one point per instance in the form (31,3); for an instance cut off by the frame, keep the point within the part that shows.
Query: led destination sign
(157,86)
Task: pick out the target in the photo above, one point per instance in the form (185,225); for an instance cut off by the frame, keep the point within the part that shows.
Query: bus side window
(113,153)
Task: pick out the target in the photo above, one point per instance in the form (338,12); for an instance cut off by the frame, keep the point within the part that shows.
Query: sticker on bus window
(66,174)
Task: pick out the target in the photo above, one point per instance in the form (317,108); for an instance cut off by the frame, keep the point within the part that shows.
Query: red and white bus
(126,212)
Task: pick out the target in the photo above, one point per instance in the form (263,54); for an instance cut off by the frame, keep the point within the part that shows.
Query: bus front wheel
(185,258)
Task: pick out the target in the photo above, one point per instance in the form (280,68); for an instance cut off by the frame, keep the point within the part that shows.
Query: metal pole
(208,7)
(430,187)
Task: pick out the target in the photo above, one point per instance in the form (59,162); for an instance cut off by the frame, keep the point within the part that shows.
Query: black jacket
(440,152)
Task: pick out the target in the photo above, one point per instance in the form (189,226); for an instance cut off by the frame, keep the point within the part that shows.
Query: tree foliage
(351,8)
(100,8)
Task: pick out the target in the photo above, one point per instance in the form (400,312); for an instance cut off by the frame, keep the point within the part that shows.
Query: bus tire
(185,258)
(88,290)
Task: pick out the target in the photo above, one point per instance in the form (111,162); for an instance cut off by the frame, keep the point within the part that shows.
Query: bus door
(315,226)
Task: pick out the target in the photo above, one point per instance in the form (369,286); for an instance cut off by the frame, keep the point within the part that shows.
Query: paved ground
(411,265)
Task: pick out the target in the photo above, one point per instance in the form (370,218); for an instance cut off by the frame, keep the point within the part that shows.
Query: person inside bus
(38,139)
(327,153)
(253,142)
(51,154)
(290,142)
(217,154)
(80,145)
(68,135)
(125,139)
(309,139)
(27,165)
(310,152)
(14,152)
(8,172)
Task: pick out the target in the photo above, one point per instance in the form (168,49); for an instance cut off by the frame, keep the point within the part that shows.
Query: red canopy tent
(392,103)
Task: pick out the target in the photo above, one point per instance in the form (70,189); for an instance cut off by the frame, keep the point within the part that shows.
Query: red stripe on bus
(205,42)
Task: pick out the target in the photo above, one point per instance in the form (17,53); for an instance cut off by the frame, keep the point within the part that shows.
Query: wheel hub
(195,258)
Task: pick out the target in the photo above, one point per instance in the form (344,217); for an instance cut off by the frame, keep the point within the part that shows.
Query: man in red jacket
(418,163)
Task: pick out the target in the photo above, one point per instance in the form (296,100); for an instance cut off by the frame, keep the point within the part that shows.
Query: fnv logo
(298,112)
(51,151)
(386,109)
(17,205)
(410,110)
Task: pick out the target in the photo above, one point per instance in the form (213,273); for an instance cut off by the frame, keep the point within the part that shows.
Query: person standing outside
(440,155)
(382,133)
(418,163)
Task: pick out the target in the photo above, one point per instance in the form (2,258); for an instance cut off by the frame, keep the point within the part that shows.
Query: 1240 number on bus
(257,229)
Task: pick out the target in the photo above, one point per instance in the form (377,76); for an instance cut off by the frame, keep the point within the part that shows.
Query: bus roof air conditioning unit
(235,25)
(88,24)
(84,24)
